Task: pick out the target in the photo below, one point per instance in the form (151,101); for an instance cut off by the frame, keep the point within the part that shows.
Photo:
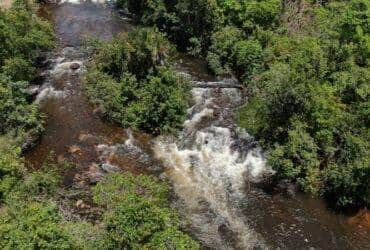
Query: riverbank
(211,159)
(305,106)
(89,183)
(82,186)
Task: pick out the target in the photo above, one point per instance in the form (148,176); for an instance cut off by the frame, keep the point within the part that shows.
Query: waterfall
(210,165)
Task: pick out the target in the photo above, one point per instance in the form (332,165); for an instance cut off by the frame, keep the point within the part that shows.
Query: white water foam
(198,117)
(50,92)
(208,173)
(65,67)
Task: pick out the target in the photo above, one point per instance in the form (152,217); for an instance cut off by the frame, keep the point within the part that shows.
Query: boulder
(74,66)
(74,149)
(94,174)
(109,168)
(33,90)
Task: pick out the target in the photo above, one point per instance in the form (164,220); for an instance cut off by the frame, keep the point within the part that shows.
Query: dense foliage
(138,215)
(310,106)
(28,218)
(135,212)
(131,81)
(306,64)
(22,36)
(34,213)
(188,23)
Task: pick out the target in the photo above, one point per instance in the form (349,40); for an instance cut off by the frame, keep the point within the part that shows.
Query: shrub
(308,111)
(138,215)
(16,114)
(121,189)
(33,225)
(130,80)
(188,23)
(248,57)
(18,69)
(172,239)
(11,167)
(220,53)
(138,53)
(23,35)
(26,36)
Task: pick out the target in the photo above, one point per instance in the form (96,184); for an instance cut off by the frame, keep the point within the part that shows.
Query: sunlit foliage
(131,81)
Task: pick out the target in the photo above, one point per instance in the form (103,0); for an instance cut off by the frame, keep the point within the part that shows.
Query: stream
(215,168)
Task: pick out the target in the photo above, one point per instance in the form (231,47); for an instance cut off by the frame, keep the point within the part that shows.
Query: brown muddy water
(214,166)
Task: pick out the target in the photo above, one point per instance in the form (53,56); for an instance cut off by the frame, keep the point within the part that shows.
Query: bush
(33,225)
(172,239)
(308,111)
(137,53)
(122,189)
(23,35)
(135,223)
(248,57)
(220,53)
(130,80)
(18,69)
(247,14)
(188,23)
(16,114)
(137,214)
(11,167)
(262,13)
(197,20)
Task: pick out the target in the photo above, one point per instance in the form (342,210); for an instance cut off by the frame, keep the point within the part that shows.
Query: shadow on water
(212,164)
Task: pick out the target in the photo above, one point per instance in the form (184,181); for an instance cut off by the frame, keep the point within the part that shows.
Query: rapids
(214,167)
(210,171)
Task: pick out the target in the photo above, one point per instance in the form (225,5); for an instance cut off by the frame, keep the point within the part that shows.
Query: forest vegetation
(306,65)
(131,79)
(36,208)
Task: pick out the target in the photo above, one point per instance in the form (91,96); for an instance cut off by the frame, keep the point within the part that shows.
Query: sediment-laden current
(213,166)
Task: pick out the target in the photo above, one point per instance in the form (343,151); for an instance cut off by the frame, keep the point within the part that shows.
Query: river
(214,167)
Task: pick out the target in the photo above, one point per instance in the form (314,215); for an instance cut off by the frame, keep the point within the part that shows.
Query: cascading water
(210,165)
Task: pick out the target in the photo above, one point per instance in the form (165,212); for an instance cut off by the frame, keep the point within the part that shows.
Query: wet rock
(42,58)
(123,12)
(74,149)
(94,174)
(82,205)
(33,90)
(84,137)
(361,219)
(226,233)
(79,203)
(98,112)
(109,168)
(61,158)
(29,142)
(163,176)
(88,138)
(40,78)
(74,66)
(289,188)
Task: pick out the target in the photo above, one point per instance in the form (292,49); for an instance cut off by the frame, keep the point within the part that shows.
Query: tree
(131,81)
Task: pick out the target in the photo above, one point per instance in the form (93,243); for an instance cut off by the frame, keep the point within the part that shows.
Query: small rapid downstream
(210,168)
(215,167)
